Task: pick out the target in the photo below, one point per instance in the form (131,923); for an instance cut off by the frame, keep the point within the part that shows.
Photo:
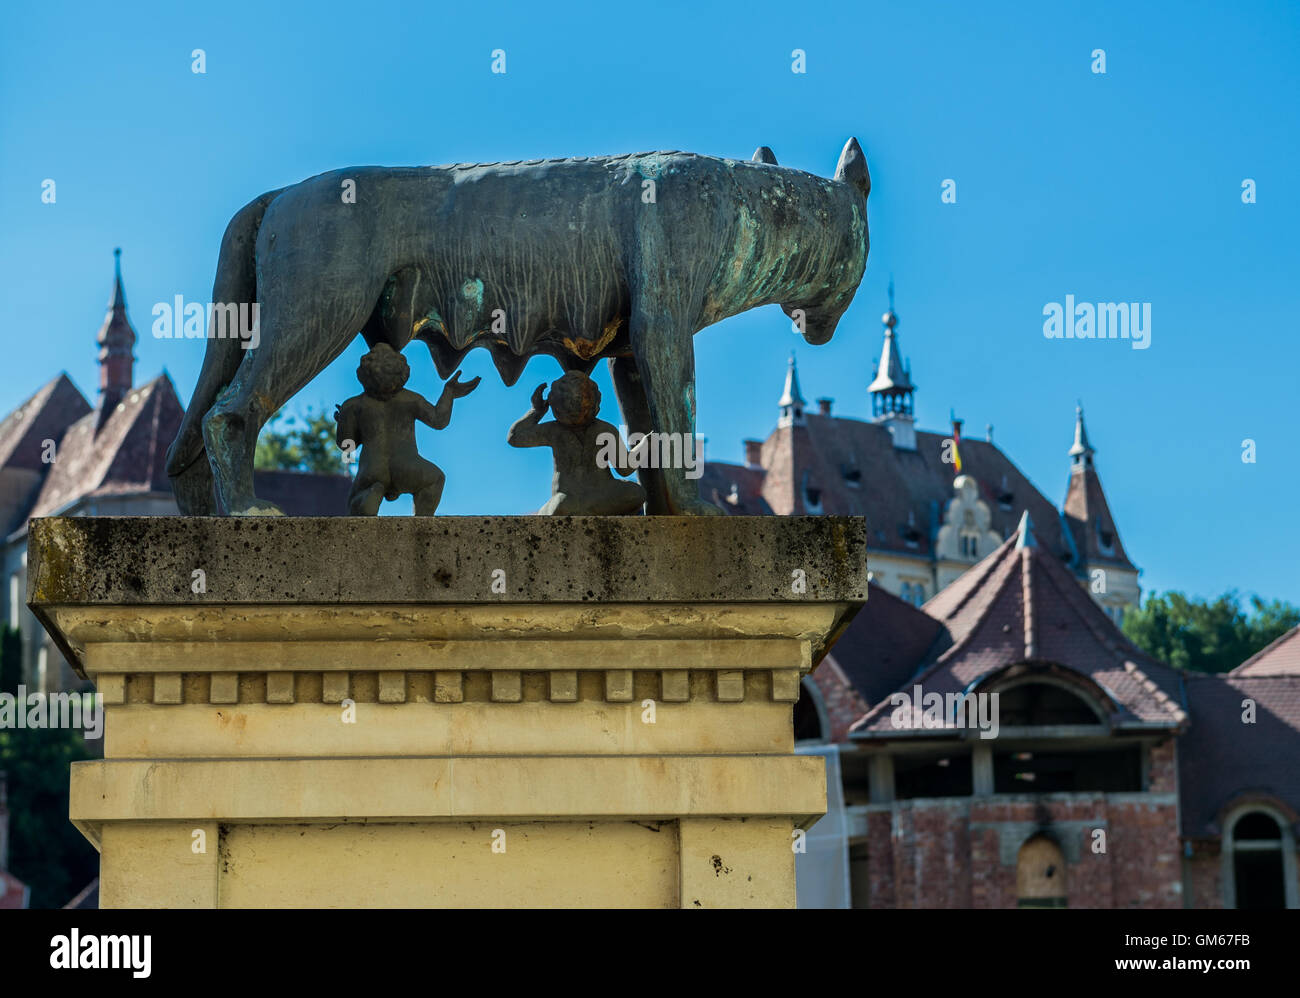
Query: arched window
(1259,860)
(1040,874)
(812,722)
(1073,754)
(1043,704)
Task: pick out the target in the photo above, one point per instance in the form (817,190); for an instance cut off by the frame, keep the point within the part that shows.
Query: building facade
(61,456)
(992,738)
(1007,746)
(936,503)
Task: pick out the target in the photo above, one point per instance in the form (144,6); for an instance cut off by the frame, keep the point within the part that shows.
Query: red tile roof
(855,470)
(126,456)
(734,488)
(42,417)
(883,645)
(1090,521)
(304,493)
(1281,658)
(1021,605)
(1223,760)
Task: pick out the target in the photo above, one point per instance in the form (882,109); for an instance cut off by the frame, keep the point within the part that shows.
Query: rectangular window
(1103,771)
(928,776)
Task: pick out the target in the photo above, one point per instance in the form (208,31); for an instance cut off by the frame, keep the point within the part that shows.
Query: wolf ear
(764,155)
(852,168)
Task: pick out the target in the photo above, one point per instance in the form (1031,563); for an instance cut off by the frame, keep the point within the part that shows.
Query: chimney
(753,453)
(824,407)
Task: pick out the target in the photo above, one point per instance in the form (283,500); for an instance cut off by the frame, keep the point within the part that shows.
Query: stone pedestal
(454,711)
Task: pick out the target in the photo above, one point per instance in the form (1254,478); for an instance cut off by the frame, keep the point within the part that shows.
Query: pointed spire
(892,388)
(1025,533)
(116,341)
(791,402)
(1086,511)
(1081,452)
(791,395)
(118,301)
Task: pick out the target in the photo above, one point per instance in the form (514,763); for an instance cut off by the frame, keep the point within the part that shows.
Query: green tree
(45,851)
(1207,636)
(286,444)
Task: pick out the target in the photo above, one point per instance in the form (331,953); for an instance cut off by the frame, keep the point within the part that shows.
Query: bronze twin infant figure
(381,422)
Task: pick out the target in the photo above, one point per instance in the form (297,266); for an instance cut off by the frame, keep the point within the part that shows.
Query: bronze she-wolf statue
(620,257)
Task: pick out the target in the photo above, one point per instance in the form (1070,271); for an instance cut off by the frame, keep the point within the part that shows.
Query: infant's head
(574,399)
(383,371)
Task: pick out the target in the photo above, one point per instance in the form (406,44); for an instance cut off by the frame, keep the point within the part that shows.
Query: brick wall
(962,852)
(842,702)
(1205,874)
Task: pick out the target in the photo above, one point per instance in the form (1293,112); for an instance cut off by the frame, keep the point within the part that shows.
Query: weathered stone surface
(345,699)
(137,560)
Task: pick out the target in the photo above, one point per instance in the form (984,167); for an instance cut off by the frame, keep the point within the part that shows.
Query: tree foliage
(45,851)
(1207,636)
(290,444)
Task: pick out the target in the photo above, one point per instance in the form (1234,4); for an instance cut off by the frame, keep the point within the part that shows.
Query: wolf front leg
(636,414)
(665,363)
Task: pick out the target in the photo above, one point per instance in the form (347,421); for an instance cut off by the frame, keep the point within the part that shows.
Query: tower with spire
(1098,556)
(892,389)
(1081,451)
(937,503)
(116,341)
(791,403)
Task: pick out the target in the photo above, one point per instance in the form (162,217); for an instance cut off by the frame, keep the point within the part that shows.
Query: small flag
(956,444)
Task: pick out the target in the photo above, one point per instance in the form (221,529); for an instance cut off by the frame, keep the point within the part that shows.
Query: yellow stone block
(448,687)
(167,688)
(675,685)
(506,687)
(564,686)
(737,863)
(392,687)
(224,688)
(393,740)
(731,686)
(618,685)
(148,864)
(279,687)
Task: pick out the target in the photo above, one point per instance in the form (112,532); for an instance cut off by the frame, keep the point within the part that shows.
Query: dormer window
(852,476)
(812,495)
(1105,539)
(1006,498)
(911,536)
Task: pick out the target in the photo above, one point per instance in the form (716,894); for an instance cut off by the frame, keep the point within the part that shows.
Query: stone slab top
(180,560)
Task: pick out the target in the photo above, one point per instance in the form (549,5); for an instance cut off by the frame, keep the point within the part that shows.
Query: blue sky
(1122,186)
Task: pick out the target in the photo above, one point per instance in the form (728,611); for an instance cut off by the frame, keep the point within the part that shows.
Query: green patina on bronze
(519,258)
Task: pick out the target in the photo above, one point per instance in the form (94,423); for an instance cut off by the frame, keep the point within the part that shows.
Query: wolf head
(818,316)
